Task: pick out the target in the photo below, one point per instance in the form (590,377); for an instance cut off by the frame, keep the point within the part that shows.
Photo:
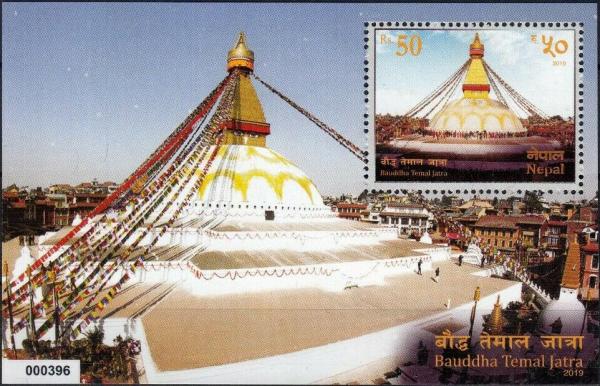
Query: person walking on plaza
(482,261)
(419,266)
(437,274)
(460,258)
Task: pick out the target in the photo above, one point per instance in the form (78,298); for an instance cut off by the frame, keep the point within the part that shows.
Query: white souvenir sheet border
(499,189)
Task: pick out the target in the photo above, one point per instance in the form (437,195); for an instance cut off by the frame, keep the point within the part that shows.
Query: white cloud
(394,101)
(511,54)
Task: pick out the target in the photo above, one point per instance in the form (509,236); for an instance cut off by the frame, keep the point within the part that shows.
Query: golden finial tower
(496,321)
(240,56)
(248,125)
(476,84)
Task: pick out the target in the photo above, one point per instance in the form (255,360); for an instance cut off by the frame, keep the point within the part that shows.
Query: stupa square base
(423,158)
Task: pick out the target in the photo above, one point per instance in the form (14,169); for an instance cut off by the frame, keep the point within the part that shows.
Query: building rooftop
(355,205)
(496,222)
(509,222)
(590,248)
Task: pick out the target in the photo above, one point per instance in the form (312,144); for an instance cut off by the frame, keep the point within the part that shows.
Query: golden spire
(476,45)
(496,322)
(570,277)
(240,56)
(476,84)
(248,125)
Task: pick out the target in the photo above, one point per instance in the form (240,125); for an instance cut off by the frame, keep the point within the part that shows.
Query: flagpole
(10,311)
(52,277)
(31,315)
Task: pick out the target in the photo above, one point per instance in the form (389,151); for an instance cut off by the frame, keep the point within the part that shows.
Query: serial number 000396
(47,370)
(40,371)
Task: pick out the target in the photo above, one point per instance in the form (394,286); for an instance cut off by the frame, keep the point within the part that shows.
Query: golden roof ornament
(477,295)
(476,42)
(240,56)
(496,322)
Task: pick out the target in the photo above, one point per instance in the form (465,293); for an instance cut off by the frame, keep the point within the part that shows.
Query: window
(593,280)
(595,261)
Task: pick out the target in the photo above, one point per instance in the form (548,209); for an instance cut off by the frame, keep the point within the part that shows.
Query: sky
(403,81)
(89,90)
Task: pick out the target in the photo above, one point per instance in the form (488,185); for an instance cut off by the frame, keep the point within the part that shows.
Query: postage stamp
(475,102)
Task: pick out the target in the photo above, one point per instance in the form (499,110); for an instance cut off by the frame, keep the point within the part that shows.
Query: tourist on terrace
(437,274)
(419,266)
(460,259)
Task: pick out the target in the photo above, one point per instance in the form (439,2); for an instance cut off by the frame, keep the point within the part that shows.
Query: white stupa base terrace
(488,148)
(229,255)
(302,335)
(331,277)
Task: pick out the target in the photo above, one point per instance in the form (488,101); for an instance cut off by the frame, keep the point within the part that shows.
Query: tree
(446,201)
(532,201)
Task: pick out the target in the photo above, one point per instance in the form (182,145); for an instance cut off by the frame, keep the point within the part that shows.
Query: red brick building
(518,236)
(350,210)
(58,210)
(554,239)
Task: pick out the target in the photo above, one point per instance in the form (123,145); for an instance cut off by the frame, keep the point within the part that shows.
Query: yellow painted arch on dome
(462,116)
(241,181)
(250,152)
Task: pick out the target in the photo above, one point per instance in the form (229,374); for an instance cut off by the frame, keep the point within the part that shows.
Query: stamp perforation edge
(501,189)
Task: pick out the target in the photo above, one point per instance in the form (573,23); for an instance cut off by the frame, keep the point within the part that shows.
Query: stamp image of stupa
(476,137)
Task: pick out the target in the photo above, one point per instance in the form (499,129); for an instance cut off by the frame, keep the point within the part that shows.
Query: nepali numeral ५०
(551,47)
(409,44)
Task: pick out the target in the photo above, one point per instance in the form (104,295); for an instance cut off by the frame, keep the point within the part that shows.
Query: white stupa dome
(425,238)
(477,115)
(568,308)
(253,175)
(76,220)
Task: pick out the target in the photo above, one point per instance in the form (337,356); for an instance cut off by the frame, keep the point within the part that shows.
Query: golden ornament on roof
(496,321)
(240,56)
(476,42)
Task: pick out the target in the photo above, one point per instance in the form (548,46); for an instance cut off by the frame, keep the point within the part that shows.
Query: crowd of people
(389,127)
(479,135)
